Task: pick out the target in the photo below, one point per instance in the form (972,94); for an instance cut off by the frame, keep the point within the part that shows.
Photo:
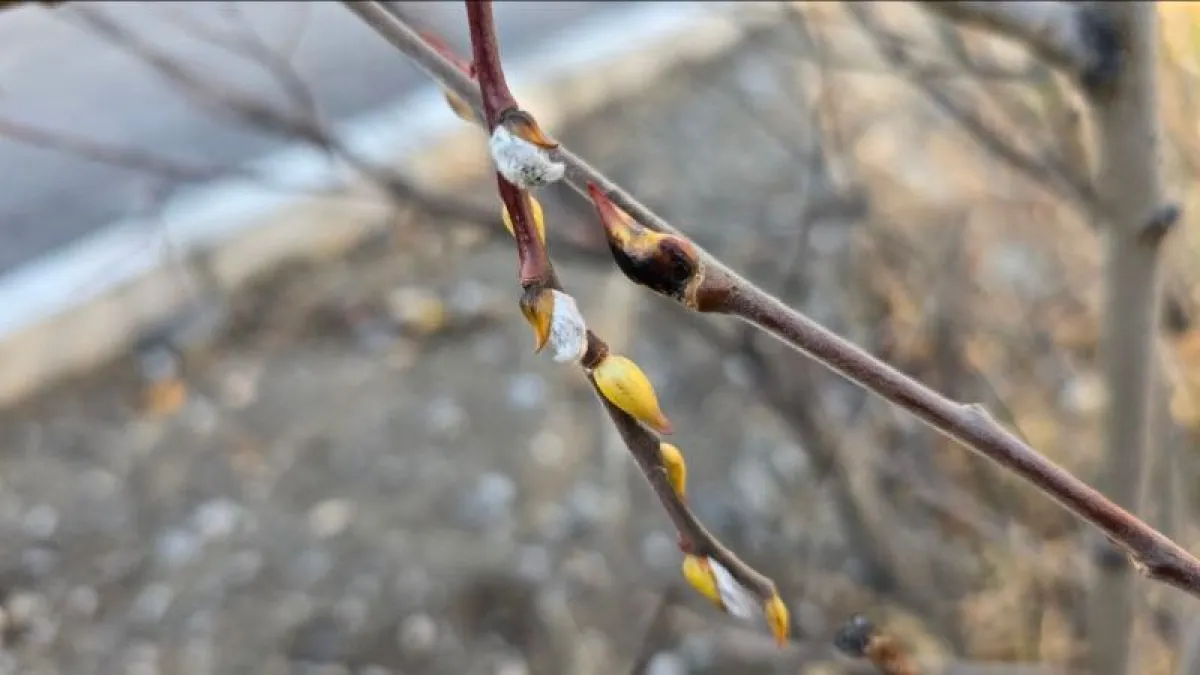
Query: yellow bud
(535,209)
(622,230)
(672,460)
(624,384)
(524,126)
(699,575)
(459,106)
(538,310)
(776,614)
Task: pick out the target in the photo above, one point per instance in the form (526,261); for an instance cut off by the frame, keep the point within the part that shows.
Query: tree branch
(1135,223)
(1068,35)
(540,282)
(499,107)
(712,287)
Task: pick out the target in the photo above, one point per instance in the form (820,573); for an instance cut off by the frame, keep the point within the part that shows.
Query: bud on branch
(667,264)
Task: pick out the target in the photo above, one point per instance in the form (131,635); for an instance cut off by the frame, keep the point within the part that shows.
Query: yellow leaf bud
(538,308)
(461,108)
(535,210)
(623,383)
(698,573)
(672,460)
(776,614)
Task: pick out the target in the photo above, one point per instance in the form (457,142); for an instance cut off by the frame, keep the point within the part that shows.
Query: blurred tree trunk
(1129,186)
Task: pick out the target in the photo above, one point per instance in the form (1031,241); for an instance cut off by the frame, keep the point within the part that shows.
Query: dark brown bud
(664,263)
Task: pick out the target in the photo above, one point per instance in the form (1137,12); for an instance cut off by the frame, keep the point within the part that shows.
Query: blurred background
(268,406)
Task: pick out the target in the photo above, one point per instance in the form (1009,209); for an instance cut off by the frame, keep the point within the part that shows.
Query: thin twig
(724,292)
(537,276)
(498,104)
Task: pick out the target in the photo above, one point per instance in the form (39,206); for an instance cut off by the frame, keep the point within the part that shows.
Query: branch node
(1160,223)
(1100,36)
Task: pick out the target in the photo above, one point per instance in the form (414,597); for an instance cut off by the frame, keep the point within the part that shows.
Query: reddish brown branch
(1152,552)
(535,268)
(642,443)
(485,48)
(694,538)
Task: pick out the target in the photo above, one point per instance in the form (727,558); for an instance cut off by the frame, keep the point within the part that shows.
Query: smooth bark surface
(1129,184)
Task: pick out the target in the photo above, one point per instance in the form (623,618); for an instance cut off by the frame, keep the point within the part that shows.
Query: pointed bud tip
(538,310)
(525,127)
(776,614)
(611,217)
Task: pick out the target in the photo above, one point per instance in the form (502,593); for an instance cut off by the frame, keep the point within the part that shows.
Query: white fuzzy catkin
(737,600)
(522,163)
(568,332)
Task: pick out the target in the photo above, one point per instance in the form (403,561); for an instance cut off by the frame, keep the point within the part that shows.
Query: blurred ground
(339,495)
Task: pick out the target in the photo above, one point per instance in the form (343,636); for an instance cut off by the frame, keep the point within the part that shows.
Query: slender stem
(485,49)
(535,268)
(642,444)
(1160,557)
(694,537)
(1153,553)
